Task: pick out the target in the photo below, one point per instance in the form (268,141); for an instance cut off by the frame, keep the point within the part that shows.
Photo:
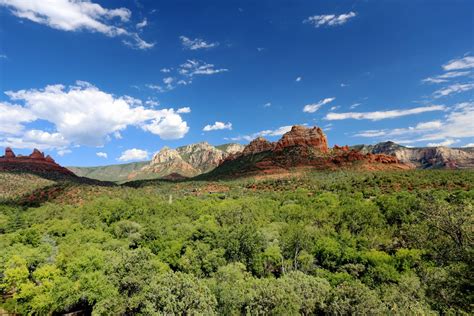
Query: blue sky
(101,82)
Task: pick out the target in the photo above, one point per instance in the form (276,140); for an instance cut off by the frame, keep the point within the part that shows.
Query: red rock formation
(303,137)
(49,159)
(36,154)
(36,163)
(9,153)
(303,147)
(258,145)
(339,148)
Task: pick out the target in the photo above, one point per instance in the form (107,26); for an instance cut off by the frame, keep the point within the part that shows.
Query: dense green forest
(334,243)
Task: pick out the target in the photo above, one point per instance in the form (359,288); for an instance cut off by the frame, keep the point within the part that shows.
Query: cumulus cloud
(468,145)
(267,105)
(298,79)
(330,19)
(381,115)
(81,115)
(101,154)
(197,43)
(311,108)
(12,118)
(217,126)
(466,62)
(36,139)
(184,110)
(77,15)
(133,154)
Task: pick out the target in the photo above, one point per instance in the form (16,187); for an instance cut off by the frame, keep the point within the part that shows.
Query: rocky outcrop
(301,147)
(231,149)
(258,145)
(187,161)
(9,153)
(202,156)
(424,158)
(304,137)
(34,163)
(165,162)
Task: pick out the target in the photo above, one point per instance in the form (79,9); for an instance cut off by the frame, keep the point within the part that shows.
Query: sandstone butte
(35,162)
(308,147)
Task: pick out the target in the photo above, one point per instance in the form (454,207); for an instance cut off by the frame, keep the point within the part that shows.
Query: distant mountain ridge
(299,149)
(424,157)
(200,158)
(186,161)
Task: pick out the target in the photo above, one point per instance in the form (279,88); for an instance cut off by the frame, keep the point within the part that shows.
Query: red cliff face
(304,147)
(9,153)
(36,163)
(36,154)
(304,137)
(258,145)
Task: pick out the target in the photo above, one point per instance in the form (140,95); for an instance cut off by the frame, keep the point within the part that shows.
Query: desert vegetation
(324,243)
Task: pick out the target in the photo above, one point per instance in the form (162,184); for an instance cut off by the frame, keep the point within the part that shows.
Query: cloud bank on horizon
(361,84)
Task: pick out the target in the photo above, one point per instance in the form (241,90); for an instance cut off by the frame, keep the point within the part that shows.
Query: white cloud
(194,67)
(63,152)
(77,15)
(333,108)
(459,63)
(422,127)
(468,145)
(81,115)
(3,56)
(276,132)
(353,106)
(380,115)
(453,89)
(101,154)
(311,108)
(133,154)
(447,142)
(267,105)
(12,116)
(184,75)
(343,85)
(217,126)
(298,79)
(330,19)
(269,132)
(458,123)
(152,102)
(168,125)
(197,43)
(142,24)
(36,139)
(184,110)
(445,77)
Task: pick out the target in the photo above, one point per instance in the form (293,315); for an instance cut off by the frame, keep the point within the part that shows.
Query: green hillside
(325,243)
(114,173)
